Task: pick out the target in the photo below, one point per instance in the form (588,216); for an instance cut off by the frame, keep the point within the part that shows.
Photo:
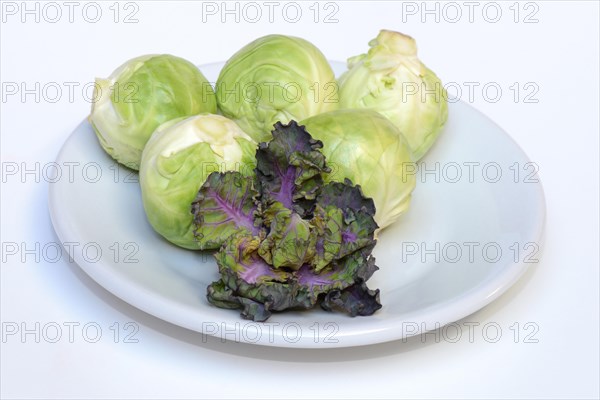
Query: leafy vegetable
(224,207)
(177,159)
(365,147)
(290,242)
(287,240)
(275,78)
(289,168)
(357,226)
(392,80)
(140,95)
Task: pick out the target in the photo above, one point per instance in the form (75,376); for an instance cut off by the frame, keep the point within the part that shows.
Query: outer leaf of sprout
(142,94)
(391,79)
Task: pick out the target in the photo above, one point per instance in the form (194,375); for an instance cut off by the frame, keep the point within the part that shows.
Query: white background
(558,53)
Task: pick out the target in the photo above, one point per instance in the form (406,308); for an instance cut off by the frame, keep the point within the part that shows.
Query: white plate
(98,215)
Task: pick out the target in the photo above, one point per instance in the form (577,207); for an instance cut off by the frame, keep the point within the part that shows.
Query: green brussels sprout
(365,147)
(176,161)
(142,94)
(391,80)
(275,78)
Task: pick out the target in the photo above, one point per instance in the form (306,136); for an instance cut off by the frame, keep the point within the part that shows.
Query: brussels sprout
(275,78)
(365,147)
(142,94)
(176,161)
(391,80)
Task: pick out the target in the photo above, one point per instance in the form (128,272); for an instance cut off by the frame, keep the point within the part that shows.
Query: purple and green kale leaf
(286,240)
(225,204)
